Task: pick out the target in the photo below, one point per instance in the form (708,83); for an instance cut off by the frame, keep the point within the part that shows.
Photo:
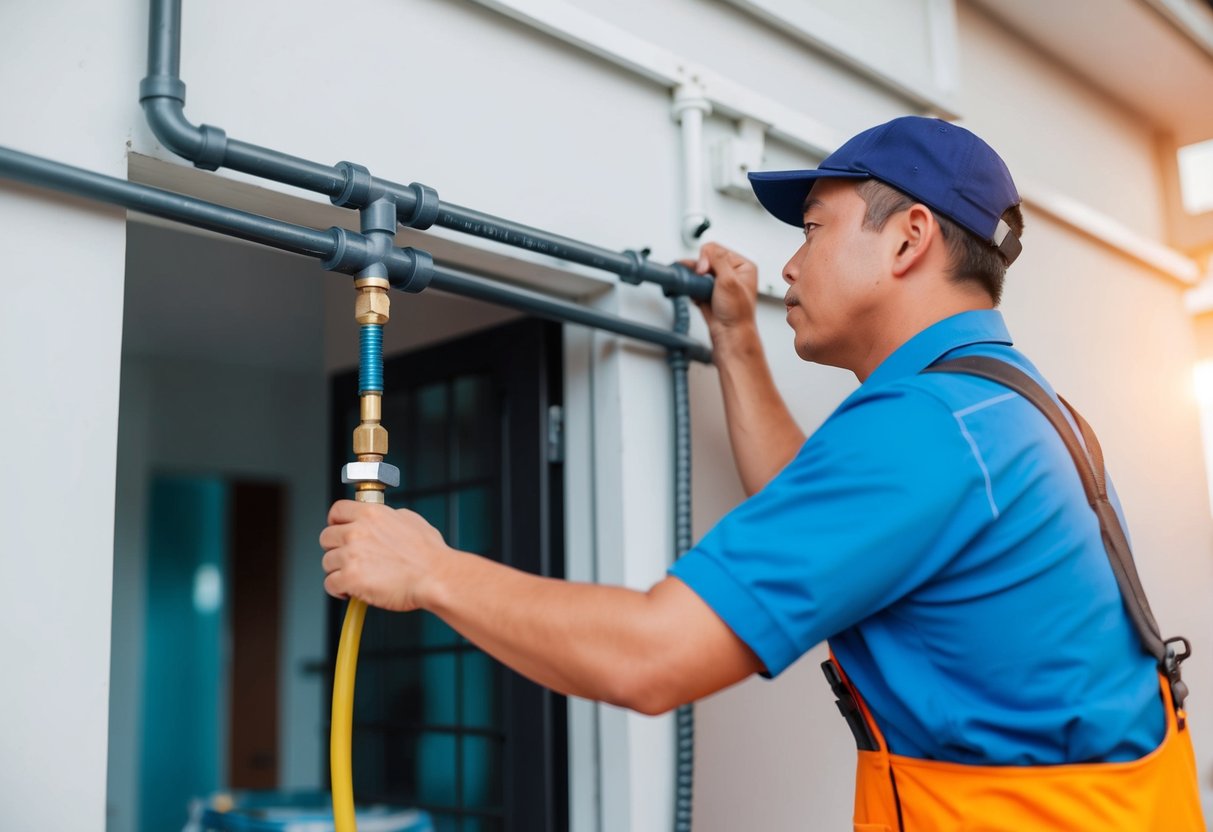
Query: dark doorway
(258,519)
(438,724)
(211,649)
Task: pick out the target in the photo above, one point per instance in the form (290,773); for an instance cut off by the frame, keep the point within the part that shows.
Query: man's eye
(809,226)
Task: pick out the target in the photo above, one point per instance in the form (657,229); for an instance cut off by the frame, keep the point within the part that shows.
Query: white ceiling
(1131,50)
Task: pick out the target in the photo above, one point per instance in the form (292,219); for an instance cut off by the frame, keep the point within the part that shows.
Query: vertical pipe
(690,107)
(684,780)
(164,38)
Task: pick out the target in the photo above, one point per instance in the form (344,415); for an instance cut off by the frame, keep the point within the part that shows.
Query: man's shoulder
(950,393)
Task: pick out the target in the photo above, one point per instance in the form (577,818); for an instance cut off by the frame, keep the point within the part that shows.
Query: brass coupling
(370,437)
(374,303)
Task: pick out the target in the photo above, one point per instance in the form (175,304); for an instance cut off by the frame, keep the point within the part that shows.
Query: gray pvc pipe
(341,250)
(546,306)
(162,95)
(35,170)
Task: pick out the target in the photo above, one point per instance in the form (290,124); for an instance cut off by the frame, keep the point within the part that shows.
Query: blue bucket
(271,811)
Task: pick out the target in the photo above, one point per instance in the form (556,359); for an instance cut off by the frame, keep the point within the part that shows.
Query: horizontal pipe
(57,176)
(545,306)
(674,279)
(340,249)
(162,95)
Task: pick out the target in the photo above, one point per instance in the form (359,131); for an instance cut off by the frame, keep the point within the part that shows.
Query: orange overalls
(1159,791)
(894,793)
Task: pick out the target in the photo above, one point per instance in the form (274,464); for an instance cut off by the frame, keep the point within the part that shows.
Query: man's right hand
(734,297)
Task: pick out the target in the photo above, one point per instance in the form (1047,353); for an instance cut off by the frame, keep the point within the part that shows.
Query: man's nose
(791,271)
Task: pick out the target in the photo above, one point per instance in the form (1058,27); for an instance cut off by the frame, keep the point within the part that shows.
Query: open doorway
(211,641)
(232,355)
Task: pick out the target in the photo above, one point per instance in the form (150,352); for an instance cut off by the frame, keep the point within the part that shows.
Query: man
(934,530)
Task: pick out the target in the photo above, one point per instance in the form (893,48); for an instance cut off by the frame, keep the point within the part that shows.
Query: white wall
(60,323)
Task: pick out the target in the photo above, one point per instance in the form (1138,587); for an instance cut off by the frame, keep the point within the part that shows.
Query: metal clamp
(1170,667)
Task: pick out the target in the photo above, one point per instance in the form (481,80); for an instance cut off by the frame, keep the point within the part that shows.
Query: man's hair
(970,258)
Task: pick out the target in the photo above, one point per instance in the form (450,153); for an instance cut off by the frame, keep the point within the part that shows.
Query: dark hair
(970,258)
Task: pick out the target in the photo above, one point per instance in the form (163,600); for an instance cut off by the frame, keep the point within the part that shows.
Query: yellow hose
(371,310)
(340,736)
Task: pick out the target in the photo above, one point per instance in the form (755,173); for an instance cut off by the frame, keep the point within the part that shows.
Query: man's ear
(915,231)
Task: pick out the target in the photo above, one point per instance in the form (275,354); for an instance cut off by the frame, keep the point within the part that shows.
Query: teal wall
(183,678)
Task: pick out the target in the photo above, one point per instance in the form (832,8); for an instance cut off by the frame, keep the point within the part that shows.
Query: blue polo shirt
(934,530)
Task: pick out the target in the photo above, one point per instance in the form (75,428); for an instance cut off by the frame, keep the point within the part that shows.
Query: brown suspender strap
(1090,466)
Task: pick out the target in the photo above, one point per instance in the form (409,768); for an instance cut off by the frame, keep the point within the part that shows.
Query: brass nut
(373,306)
(370,439)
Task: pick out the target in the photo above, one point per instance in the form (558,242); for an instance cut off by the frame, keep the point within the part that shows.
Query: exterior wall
(510,121)
(60,324)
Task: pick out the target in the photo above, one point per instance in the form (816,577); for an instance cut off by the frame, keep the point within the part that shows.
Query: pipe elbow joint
(359,188)
(410,269)
(425,207)
(351,252)
(638,262)
(689,284)
(163,101)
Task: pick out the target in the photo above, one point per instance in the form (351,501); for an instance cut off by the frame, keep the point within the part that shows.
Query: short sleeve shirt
(935,531)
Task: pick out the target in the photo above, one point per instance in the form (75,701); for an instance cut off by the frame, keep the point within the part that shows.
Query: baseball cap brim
(783,192)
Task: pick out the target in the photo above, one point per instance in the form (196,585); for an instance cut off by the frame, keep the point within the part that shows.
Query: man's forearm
(762,432)
(597,642)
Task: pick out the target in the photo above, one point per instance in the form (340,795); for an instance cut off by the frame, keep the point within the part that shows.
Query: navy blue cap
(945,167)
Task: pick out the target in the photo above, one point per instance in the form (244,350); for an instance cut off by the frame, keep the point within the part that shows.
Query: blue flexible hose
(685,716)
(370,360)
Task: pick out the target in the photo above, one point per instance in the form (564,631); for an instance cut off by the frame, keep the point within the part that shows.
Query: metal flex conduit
(684,718)
(162,94)
(409,270)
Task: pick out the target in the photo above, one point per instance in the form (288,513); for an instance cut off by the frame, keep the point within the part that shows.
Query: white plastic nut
(355,472)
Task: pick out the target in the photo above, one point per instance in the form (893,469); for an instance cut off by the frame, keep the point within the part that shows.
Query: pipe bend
(203,145)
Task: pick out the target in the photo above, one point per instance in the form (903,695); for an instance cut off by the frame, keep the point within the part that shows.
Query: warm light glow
(1202,381)
(1202,384)
(1196,177)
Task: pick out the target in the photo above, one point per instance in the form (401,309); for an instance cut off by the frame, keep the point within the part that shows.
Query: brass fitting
(370,407)
(370,438)
(373,304)
(370,493)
